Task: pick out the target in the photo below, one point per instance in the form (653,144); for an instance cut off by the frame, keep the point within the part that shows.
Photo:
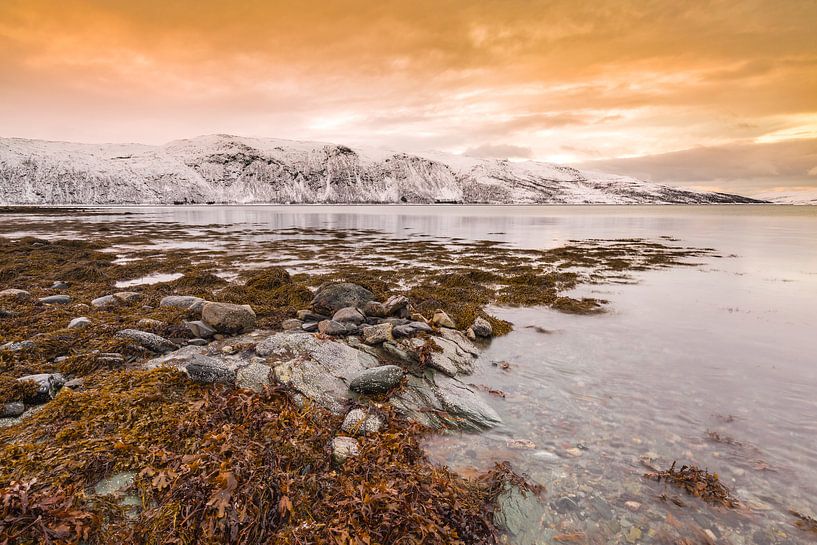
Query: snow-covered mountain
(231,169)
(793,196)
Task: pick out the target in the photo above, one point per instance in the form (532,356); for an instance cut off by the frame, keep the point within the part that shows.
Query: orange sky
(730,85)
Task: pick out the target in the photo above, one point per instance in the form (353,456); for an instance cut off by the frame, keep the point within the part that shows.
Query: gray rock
(292,324)
(349,315)
(361,422)
(55,300)
(441,319)
(402,331)
(183,301)
(482,327)
(200,329)
(7,313)
(518,514)
(198,342)
(75,384)
(13,409)
(374,309)
(319,369)
(59,285)
(456,354)
(110,358)
(19,295)
(209,370)
(344,448)
(376,334)
(115,484)
(104,301)
(18,346)
(331,327)
(397,321)
(152,342)
(332,297)
(79,323)
(395,304)
(48,385)
(150,322)
(228,318)
(377,380)
(128,296)
(255,376)
(420,327)
(310,327)
(309,316)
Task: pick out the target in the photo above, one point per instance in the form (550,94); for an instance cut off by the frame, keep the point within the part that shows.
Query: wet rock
(48,384)
(361,422)
(152,342)
(79,323)
(395,304)
(632,505)
(255,376)
(309,316)
(104,301)
(330,298)
(331,327)
(377,334)
(229,318)
(55,300)
(17,346)
(115,484)
(344,448)
(18,295)
(374,309)
(183,301)
(482,327)
(456,354)
(310,327)
(441,319)
(59,285)
(292,324)
(319,369)
(150,323)
(208,370)
(377,380)
(349,315)
(518,513)
(200,329)
(13,409)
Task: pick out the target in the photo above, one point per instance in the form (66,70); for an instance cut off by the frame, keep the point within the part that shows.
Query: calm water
(714,365)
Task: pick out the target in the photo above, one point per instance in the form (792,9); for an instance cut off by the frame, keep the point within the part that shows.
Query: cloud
(500,151)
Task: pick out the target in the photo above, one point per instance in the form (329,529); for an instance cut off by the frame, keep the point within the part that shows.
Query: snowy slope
(794,196)
(231,169)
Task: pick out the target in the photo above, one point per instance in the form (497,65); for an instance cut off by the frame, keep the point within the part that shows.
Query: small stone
(13,409)
(19,295)
(402,331)
(104,301)
(208,370)
(309,316)
(55,300)
(291,324)
(152,342)
(198,342)
(110,358)
(395,304)
(376,334)
(573,452)
(521,444)
(419,326)
(18,346)
(183,301)
(59,285)
(344,448)
(331,327)
(48,385)
(374,309)
(310,327)
(128,296)
(349,315)
(200,329)
(377,380)
(7,313)
(441,319)
(482,327)
(360,422)
(470,335)
(229,350)
(228,318)
(634,534)
(632,505)
(79,323)
(75,384)
(150,323)
(711,535)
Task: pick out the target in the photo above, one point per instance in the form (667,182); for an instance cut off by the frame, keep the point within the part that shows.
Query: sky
(707,94)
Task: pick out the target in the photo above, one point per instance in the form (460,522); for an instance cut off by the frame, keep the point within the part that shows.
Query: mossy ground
(228,466)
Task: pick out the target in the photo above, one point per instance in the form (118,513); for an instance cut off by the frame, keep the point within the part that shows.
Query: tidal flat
(227,436)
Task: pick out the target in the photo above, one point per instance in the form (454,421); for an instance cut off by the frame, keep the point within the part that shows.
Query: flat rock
(228,318)
(151,341)
(48,384)
(330,298)
(17,346)
(183,301)
(344,448)
(349,315)
(518,514)
(377,334)
(79,323)
(395,304)
(55,300)
(377,380)
(310,327)
(19,295)
(254,376)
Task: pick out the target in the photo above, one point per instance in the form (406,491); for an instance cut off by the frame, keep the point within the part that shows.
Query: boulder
(344,448)
(374,309)
(55,300)
(183,301)
(79,323)
(377,380)
(200,329)
(229,318)
(441,319)
(13,409)
(152,342)
(292,324)
(208,370)
(331,327)
(48,384)
(19,295)
(349,315)
(361,422)
(376,334)
(482,327)
(330,298)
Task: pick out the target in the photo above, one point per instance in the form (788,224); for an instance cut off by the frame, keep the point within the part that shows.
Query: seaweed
(699,483)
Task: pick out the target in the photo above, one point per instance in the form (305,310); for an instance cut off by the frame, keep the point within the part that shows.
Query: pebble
(59,285)
(310,327)
(377,334)
(150,323)
(147,340)
(632,505)
(79,323)
(344,448)
(573,452)
(441,319)
(104,301)
(13,409)
(197,342)
(331,327)
(18,346)
(360,422)
(292,324)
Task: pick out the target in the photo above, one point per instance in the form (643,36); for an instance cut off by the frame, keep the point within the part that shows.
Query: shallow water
(714,365)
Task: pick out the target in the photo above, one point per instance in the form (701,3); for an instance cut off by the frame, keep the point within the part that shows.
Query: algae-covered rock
(377,380)
(330,298)
(228,318)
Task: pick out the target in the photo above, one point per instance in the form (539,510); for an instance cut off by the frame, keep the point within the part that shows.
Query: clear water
(714,365)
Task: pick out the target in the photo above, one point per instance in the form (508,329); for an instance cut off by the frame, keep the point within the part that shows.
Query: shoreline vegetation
(257,400)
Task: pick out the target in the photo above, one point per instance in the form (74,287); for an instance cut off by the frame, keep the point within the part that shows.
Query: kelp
(697,482)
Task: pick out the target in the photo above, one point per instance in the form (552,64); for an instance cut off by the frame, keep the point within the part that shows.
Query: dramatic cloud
(570,81)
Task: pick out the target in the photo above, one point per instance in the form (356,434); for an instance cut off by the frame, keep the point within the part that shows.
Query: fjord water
(713,364)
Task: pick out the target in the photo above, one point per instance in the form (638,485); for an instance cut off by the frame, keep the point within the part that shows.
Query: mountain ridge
(242,170)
